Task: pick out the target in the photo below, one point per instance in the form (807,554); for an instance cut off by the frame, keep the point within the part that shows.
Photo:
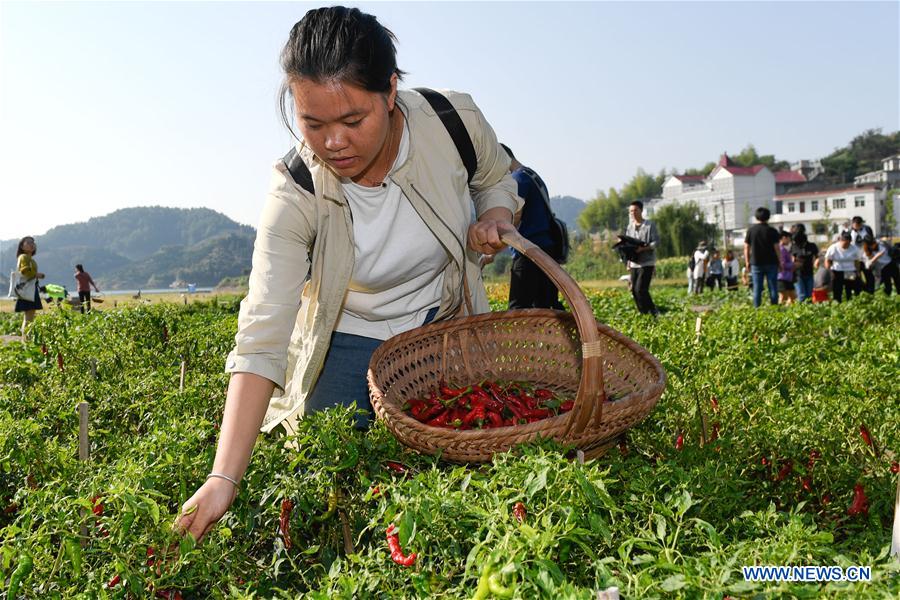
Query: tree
(606,211)
(681,227)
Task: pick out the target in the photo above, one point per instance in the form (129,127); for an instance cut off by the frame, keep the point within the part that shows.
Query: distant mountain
(567,208)
(144,247)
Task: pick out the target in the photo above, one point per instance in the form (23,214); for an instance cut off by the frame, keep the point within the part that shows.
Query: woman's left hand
(484,235)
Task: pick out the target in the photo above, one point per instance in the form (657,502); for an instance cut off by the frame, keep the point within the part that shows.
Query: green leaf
(675,582)
(536,483)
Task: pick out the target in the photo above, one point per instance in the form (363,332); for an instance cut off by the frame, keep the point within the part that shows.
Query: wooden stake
(84,454)
(181,380)
(702,416)
(895,537)
(84,449)
(697,327)
(348,537)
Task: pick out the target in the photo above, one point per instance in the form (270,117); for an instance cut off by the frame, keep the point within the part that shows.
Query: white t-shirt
(399,263)
(883,260)
(699,265)
(843,259)
(732,267)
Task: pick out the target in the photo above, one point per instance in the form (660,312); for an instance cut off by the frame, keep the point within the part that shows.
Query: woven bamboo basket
(569,353)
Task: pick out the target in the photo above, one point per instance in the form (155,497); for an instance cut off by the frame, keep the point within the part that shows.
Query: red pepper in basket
(393,540)
(567,406)
(494,419)
(440,420)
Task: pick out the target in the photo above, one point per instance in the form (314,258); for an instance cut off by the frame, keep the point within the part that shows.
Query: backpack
(894,252)
(559,232)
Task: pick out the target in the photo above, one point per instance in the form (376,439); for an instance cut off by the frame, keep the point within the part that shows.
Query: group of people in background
(794,269)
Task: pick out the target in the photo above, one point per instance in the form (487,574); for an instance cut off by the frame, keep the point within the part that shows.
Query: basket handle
(588,408)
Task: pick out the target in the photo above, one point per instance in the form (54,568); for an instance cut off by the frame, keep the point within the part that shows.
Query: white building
(729,195)
(888,176)
(825,213)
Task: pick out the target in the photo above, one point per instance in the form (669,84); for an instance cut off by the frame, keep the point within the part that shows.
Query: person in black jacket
(529,287)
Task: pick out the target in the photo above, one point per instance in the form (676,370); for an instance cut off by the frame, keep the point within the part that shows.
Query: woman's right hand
(204,509)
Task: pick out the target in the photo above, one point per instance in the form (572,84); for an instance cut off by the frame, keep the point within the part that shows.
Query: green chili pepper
(22,571)
(484,584)
(332,508)
(497,588)
(73,552)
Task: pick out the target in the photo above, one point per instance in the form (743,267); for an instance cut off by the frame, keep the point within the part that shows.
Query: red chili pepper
(376,491)
(537,413)
(567,406)
(806,483)
(116,580)
(169,594)
(714,434)
(814,455)
(895,467)
(440,420)
(715,404)
(860,503)
(449,393)
(395,466)
(826,499)
(543,394)
(96,506)
(284,522)
(59,361)
(44,350)
(866,436)
(476,414)
(519,512)
(165,334)
(494,418)
(432,411)
(786,468)
(764,461)
(397,555)
(679,441)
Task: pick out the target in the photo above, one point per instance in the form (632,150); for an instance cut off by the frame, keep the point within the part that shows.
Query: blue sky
(105,106)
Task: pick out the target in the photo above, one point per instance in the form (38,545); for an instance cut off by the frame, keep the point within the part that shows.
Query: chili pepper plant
(333,512)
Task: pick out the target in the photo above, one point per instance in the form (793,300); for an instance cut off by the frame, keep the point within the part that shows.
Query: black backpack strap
(455,127)
(299,171)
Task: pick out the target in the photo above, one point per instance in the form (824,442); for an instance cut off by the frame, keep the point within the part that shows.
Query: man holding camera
(643,264)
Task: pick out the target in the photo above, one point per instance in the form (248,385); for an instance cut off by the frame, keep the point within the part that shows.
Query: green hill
(143,247)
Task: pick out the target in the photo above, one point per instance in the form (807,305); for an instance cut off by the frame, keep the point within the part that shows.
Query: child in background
(786,292)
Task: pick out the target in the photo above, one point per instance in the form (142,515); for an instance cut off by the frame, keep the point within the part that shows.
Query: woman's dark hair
(20,250)
(338,44)
(79,268)
(799,238)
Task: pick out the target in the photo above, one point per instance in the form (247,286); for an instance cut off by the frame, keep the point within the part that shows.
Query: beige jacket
(286,321)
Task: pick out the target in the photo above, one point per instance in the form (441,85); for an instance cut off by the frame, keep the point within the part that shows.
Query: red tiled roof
(833,192)
(743,170)
(789,177)
(725,160)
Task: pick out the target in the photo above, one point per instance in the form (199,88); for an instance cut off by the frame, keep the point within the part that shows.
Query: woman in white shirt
(701,259)
(732,267)
(842,258)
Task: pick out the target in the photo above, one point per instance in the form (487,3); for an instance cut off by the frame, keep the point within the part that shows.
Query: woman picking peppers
(376,237)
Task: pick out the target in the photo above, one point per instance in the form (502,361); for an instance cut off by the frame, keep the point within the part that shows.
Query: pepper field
(789,392)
